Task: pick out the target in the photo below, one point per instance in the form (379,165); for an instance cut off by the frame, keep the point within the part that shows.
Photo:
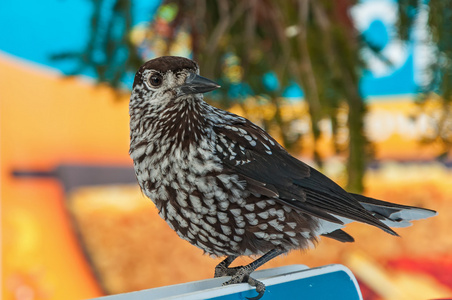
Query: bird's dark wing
(269,170)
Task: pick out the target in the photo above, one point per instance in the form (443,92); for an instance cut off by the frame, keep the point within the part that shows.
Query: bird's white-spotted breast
(178,155)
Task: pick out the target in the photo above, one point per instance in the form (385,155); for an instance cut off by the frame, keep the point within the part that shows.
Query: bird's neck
(180,123)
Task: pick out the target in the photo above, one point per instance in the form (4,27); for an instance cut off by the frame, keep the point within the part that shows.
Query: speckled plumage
(178,152)
(224,184)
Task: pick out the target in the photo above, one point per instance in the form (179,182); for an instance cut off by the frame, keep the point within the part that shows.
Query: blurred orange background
(45,121)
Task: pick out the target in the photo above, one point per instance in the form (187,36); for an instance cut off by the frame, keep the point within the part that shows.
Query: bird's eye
(155,80)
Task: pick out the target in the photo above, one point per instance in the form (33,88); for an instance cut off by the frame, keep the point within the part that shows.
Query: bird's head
(169,78)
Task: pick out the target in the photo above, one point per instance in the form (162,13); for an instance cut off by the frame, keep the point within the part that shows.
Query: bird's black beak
(195,84)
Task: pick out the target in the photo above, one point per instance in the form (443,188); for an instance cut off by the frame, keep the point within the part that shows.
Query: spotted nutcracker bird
(225,185)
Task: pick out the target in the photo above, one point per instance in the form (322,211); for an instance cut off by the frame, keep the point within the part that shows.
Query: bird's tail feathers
(392,214)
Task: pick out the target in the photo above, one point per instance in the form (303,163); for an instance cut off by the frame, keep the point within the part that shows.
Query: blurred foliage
(438,85)
(109,51)
(257,48)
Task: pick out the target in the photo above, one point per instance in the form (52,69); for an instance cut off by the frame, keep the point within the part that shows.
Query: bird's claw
(260,288)
(242,275)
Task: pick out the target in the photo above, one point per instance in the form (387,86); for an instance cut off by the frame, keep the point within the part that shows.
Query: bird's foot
(222,269)
(241,275)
